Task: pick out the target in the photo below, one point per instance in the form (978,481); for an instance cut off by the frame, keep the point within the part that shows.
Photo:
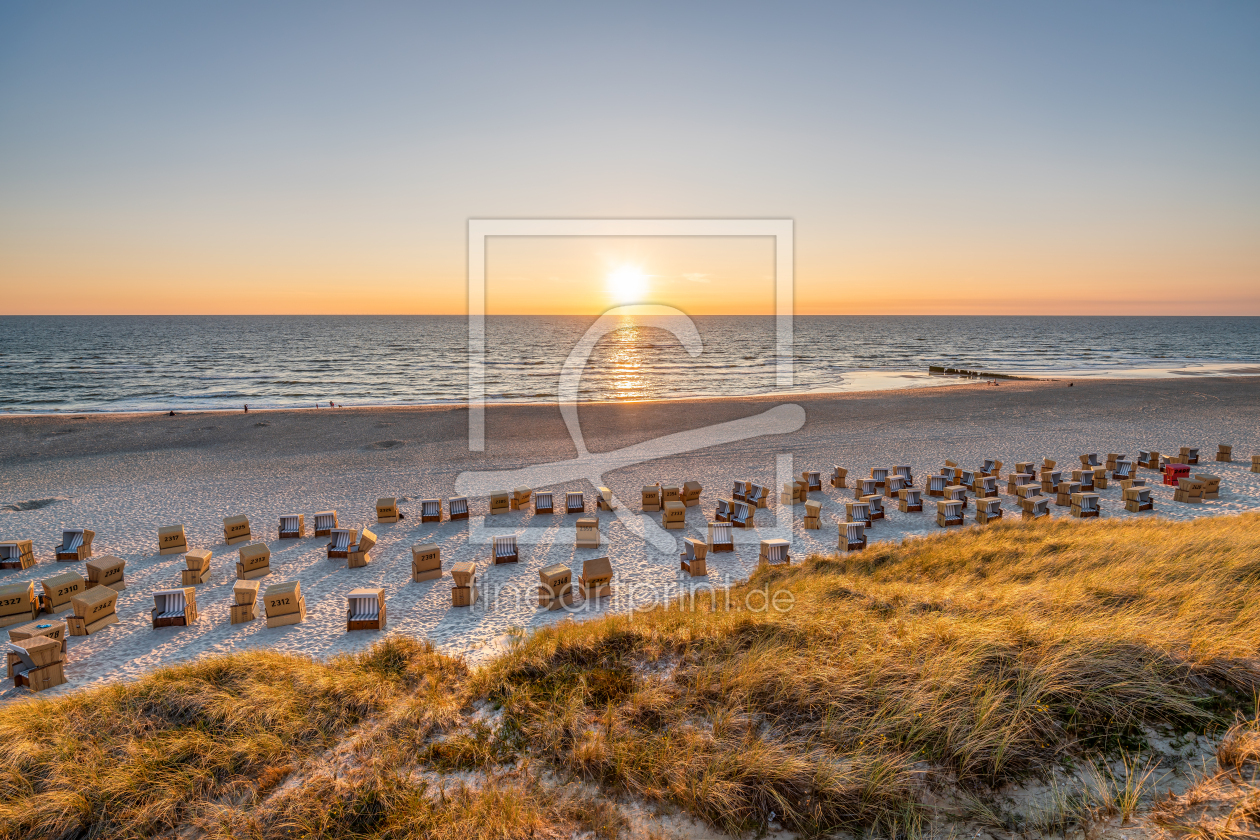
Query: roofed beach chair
(1048,464)
(365,609)
(692,558)
(985,487)
(604,499)
(864,487)
(1110,463)
(284,604)
(936,485)
(1034,507)
(674,516)
(813,481)
(426,562)
(171,540)
(387,510)
(574,501)
(59,589)
(1085,505)
(1190,454)
(904,471)
(244,601)
(596,579)
(876,503)
(1211,485)
(957,493)
(588,532)
(500,502)
(36,663)
(951,474)
(838,476)
(1100,478)
(465,592)
(774,552)
(505,550)
(196,567)
(691,491)
(520,498)
(544,502)
(340,540)
(17,554)
(857,512)
(813,516)
(1137,499)
(555,586)
(174,607)
(1016,480)
(651,498)
(94,610)
(76,544)
(671,493)
(236,529)
(966,478)
(292,526)
(758,495)
(18,603)
(1050,480)
(1026,467)
(1085,478)
(880,474)
(1189,491)
(325,521)
(431,510)
(720,537)
(992,467)
(254,561)
(852,536)
(949,513)
(793,493)
(894,485)
(741,515)
(910,500)
(1224,453)
(1148,459)
(1090,459)
(1064,492)
(1029,491)
(457,508)
(723,512)
(1123,470)
(988,510)
(740,490)
(357,554)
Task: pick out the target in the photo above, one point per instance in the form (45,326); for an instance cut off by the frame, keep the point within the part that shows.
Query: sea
(177,363)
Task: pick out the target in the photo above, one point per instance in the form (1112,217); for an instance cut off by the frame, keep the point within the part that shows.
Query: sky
(935,158)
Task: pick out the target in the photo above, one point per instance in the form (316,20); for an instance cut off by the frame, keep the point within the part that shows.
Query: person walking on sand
(247,408)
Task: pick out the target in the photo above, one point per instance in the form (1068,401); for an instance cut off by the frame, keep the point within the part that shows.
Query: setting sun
(627,284)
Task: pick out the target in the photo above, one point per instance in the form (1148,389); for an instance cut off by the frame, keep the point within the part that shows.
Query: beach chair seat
(949,512)
(1137,499)
(723,511)
(1224,453)
(758,495)
(739,490)
(387,510)
(838,476)
(94,610)
(1034,507)
(430,510)
(1189,455)
(357,554)
(505,550)
(236,530)
(692,558)
(1085,478)
(863,487)
(936,485)
(813,481)
(254,561)
(1085,505)
(555,586)
(910,500)
(174,607)
(76,545)
(880,475)
(813,516)
(596,579)
(465,592)
(17,554)
(520,498)
(325,522)
(905,472)
(59,589)
(1050,479)
(674,516)
(1090,460)
(957,493)
(500,502)
(1029,491)
(741,515)
(774,552)
(457,508)
(1211,485)
(574,502)
(651,495)
(196,567)
(985,487)
(292,526)
(988,509)
(365,609)
(894,485)
(951,474)
(604,499)
(992,467)
(876,503)
(853,536)
(1065,491)
(1016,480)
(18,604)
(858,512)
(1123,469)
(284,604)
(588,532)
(340,542)
(1150,460)
(544,502)
(966,479)
(720,537)
(36,663)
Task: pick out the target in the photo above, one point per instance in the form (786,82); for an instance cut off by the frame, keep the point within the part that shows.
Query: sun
(627,284)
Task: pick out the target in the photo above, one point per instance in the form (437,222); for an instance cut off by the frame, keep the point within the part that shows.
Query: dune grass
(963,661)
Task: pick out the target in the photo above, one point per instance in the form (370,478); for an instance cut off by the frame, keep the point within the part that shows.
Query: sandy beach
(124,476)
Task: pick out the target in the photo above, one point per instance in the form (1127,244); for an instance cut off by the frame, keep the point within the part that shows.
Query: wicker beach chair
(174,607)
(292,526)
(325,521)
(505,550)
(340,541)
(949,513)
(365,610)
(852,536)
(431,510)
(720,537)
(988,509)
(910,500)
(692,558)
(774,552)
(457,508)
(544,502)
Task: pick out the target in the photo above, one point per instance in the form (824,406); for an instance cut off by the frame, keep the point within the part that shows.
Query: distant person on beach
(330,404)
(247,408)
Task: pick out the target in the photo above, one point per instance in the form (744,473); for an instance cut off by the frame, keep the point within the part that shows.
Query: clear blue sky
(155,155)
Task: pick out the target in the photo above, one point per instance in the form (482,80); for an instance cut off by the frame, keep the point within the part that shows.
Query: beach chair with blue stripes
(936,485)
(431,510)
(544,502)
(720,537)
(365,610)
(292,526)
(741,515)
(774,552)
(758,495)
(76,544)
(174,607)
(340,541)
(723,512)
(457,508)
(505,550)
(325,522)
(988,510)
(904,471)
(574,501)
(857,512)
(910,500)
(853,536)
(949,513)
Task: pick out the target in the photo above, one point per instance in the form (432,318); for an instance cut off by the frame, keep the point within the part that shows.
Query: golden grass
(969,660)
